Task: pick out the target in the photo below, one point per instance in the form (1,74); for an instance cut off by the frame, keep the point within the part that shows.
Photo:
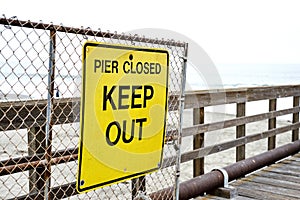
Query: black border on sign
(94,44)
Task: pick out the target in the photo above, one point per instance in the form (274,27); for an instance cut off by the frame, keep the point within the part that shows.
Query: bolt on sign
(123,113)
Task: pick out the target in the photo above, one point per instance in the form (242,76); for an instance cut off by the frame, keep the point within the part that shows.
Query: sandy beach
(14,144)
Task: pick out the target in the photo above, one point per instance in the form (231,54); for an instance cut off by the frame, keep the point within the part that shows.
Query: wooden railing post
(37,145)
(198,164)
(240,131)
(295,132)
(272,125)
(138,184)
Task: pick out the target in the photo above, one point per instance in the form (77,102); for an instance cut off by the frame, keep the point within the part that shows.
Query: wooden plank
(256,194)
(197,99)
(283,171)
(273,182)
(207,197)
(297,155)
(187,156)
(260,93)
(243,198)
(225,192)
(212,197)
(291,162)
(272,125)
(26,114)
(188,131)
(37,145)
(270,174)
(18,112)
(295,169)
(294,159)
(198,142)
(266,191)
(240,132)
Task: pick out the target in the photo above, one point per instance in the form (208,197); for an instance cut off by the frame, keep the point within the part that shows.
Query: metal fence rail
(40,83)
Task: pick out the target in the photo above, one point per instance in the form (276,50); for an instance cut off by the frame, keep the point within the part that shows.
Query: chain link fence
(40,83)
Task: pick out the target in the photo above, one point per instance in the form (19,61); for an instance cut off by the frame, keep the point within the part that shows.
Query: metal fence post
(178,160)
(49,124)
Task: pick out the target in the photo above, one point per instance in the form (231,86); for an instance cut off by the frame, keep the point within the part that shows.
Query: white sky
(231,31)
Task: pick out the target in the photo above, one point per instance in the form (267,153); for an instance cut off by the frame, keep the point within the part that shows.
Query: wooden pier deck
(280,181)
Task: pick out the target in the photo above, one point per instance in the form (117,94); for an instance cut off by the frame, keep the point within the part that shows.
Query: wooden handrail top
(29,113)
(197,99)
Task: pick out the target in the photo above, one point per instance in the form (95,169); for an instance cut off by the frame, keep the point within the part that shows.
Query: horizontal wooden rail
(26,114)
(196,129)
(200,153)
(205,151)
(198,99)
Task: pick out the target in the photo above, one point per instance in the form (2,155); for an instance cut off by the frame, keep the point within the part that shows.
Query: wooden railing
(31,115)
(240,96)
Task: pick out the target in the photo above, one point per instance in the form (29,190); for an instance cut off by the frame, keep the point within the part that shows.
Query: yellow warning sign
(123,113)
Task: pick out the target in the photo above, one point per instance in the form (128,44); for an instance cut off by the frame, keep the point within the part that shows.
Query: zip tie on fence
(184,58)
(57,92)
(225,175)
(176,147)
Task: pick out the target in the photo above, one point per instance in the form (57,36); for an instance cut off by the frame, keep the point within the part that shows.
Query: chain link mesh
(40,83)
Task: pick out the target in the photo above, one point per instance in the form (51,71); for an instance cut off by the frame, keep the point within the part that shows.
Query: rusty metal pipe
(209,181)
(246,166)
(193,187)
(20,167)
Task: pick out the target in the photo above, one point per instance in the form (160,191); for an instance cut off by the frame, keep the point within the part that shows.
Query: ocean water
(21,82)
(17,84)
(250,75)
(244,75)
